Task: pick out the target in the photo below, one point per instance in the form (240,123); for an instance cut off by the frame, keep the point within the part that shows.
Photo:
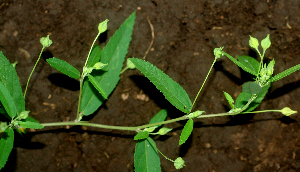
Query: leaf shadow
(285,89)
(185,146)
(148,88)
(11,163)
(64,81)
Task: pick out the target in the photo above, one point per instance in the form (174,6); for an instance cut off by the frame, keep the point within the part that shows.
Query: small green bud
(163,131)
(14,64)
(218,52)
(150,129)
(129,64)
(87,70)
(99,65)
(263,71)
(270,68)
(102,27)
(287,111)
(195,114)
(179,163)
(24,114)
(3,126)
(46,41)
(266,43)
(253,42)
(15,123)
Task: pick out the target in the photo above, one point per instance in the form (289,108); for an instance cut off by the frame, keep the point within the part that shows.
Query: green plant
(101,73)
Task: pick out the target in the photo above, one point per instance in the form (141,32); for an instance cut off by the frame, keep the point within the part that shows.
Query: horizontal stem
(113,127)
(262,111)
(82,123)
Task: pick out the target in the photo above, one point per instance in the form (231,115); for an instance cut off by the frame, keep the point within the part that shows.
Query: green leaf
(186,132)
(97,86)
(172,91)
(241,65)
(250,63)
(114,55)
(64,67)
(229,99)
(141,135)
(159,117)
(251,88)
(146,158)
(29,124)
(30,119)
(95,56)
(244,97)
(6,145)
(285,73)
(7,101)
(10,79)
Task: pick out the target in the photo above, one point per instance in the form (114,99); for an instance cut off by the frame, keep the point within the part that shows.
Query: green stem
(32,71)
(261,63)
(79,100)
(124,69)
(204,81)
(137,128)
(262,111)
(112,126)
(78,118)
(87,59)
(159,150)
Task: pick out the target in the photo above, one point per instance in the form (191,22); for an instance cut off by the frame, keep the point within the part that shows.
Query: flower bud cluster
(265,73)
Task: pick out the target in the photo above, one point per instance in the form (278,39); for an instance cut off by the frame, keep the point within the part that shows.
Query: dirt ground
(186,32)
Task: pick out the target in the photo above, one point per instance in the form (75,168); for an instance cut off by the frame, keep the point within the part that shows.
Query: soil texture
(186,33)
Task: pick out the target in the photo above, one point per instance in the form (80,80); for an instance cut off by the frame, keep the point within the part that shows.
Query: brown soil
(186,32)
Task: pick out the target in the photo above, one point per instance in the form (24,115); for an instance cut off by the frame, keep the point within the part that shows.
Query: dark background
(186,32)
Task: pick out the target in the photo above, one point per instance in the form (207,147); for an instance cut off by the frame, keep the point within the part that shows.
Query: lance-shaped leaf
(6,145)
(250,63)
(112,54)
(29,124)
(146,158)
(7,101)
(30,119)
(64,67)
(172,91)
(186,132)
(10,79)
(229,99)
(97,86)
(95,56)
(285,73)
(241,65)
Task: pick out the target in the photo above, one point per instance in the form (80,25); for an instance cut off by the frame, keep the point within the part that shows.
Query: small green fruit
(266,43)
(179,163)
(253,42)
(46,41)
(102,27)
(218,52)
(287,111)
